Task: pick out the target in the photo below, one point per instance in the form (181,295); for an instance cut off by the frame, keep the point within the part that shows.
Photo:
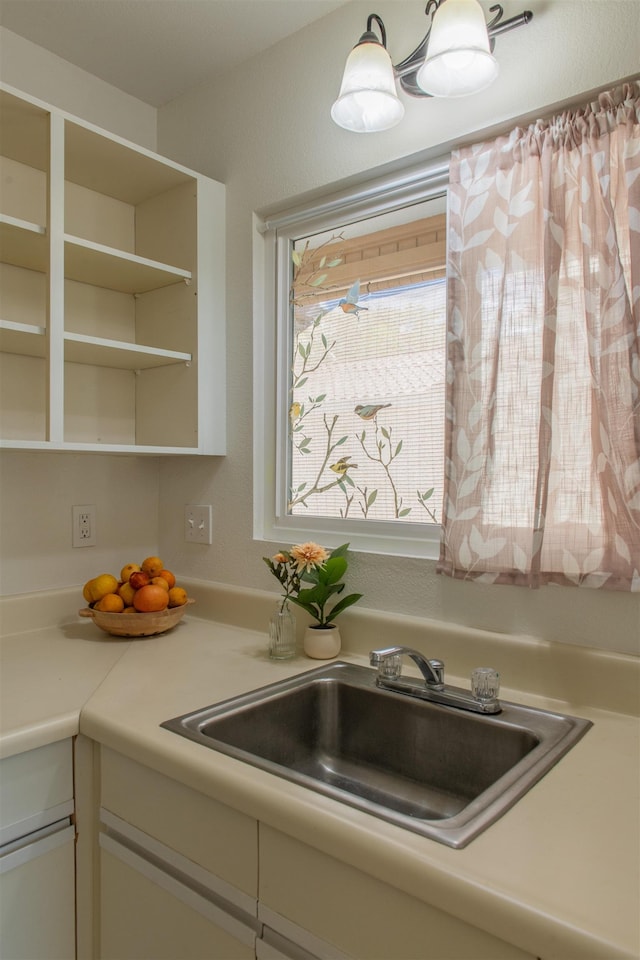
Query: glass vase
(282,632)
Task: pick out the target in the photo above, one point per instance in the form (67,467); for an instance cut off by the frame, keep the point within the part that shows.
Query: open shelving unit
(112,318)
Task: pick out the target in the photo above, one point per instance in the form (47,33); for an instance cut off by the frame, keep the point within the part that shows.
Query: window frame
(272,270)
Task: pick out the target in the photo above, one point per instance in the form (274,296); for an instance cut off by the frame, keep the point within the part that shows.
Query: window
(359,337)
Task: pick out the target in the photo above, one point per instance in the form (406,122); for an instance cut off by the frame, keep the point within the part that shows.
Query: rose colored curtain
(542,475)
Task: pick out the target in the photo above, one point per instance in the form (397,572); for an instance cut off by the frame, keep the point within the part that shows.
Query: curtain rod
(410,186)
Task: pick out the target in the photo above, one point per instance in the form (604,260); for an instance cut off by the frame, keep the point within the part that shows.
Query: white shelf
(103,266)
(149,450)
(23,244)
(109,166)
(114,353)
(112,335)
(26,339)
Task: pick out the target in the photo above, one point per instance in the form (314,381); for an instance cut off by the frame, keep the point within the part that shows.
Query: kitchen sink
(435,770)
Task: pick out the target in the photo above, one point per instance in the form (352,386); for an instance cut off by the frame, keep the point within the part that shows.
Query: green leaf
(340,551)
(312,595)
(385,433)
(302,382)
(403,513)
(295,256)
(320,398)
(371,498)
(334,568)
(342,605)
(325,342)
(322,262)
(317,281)
(342,440)
(334,263)
(398,449)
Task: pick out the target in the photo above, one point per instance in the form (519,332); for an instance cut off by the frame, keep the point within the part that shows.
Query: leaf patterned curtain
(542,445)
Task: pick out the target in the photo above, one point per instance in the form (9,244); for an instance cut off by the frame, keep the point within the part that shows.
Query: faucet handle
(390,668)
(485,684)
(438,668)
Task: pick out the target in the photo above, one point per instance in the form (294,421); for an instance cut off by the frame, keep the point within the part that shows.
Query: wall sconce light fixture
(454,59)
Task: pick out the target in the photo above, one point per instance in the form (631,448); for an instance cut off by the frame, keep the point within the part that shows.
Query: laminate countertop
(558,875)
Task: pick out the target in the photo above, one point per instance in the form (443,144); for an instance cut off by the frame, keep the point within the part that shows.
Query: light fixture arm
(407,69)
(369,35)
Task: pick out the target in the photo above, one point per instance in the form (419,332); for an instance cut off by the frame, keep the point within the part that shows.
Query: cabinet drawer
(36,788)
(360,915)
(209,833)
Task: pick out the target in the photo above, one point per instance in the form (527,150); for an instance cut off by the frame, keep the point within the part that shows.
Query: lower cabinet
(337,911)
(152,911)
(178,870)
(179,880)
(37,863)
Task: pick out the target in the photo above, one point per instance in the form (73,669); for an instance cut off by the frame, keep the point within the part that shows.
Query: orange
(150,598)
(127,570)
(126,591)
(99,587)
(129,610)
(160,582)
(177,597)
(169,577)
(152,566)
(110,603)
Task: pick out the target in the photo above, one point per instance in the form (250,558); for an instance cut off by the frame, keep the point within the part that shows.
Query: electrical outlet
(197,522)
(83,529)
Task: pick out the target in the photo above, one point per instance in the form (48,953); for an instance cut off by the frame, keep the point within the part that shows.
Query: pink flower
(308,555)
(279,558)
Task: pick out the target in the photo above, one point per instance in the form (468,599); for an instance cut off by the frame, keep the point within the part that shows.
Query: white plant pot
(322,643)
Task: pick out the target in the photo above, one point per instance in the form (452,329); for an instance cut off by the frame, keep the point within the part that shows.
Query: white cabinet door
(332,910)
(37,887)
(146,914)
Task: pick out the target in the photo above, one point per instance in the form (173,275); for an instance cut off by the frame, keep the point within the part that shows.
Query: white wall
(42,74)
(265,131)
(37,490)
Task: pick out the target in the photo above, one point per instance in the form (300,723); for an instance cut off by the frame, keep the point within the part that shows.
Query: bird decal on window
(369,411)
(349,304)
(342,465)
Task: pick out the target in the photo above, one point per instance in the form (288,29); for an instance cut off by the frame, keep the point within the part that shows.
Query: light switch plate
(197,522)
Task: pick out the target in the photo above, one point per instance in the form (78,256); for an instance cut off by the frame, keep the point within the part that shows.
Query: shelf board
(72,446)
(23,244)
(25,131)
(99,352)
(103,266)
(109,166)
(26,339)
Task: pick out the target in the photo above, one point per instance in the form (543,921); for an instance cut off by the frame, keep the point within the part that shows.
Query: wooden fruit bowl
(136,624)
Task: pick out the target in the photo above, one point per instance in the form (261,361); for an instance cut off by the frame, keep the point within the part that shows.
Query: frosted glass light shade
(459,59)
(368,102)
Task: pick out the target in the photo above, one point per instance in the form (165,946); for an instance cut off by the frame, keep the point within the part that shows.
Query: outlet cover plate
(83,525)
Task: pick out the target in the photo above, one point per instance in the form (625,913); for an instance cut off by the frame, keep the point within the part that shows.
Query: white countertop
(558,875)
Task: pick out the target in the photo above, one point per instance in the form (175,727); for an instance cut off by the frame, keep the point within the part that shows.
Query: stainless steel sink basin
(434,770)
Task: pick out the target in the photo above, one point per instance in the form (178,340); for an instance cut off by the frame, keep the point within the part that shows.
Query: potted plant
(309,563)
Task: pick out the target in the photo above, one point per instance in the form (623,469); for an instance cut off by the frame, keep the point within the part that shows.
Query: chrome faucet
(482,698)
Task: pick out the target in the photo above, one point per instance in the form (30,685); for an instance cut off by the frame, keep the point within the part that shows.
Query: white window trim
(270,521)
